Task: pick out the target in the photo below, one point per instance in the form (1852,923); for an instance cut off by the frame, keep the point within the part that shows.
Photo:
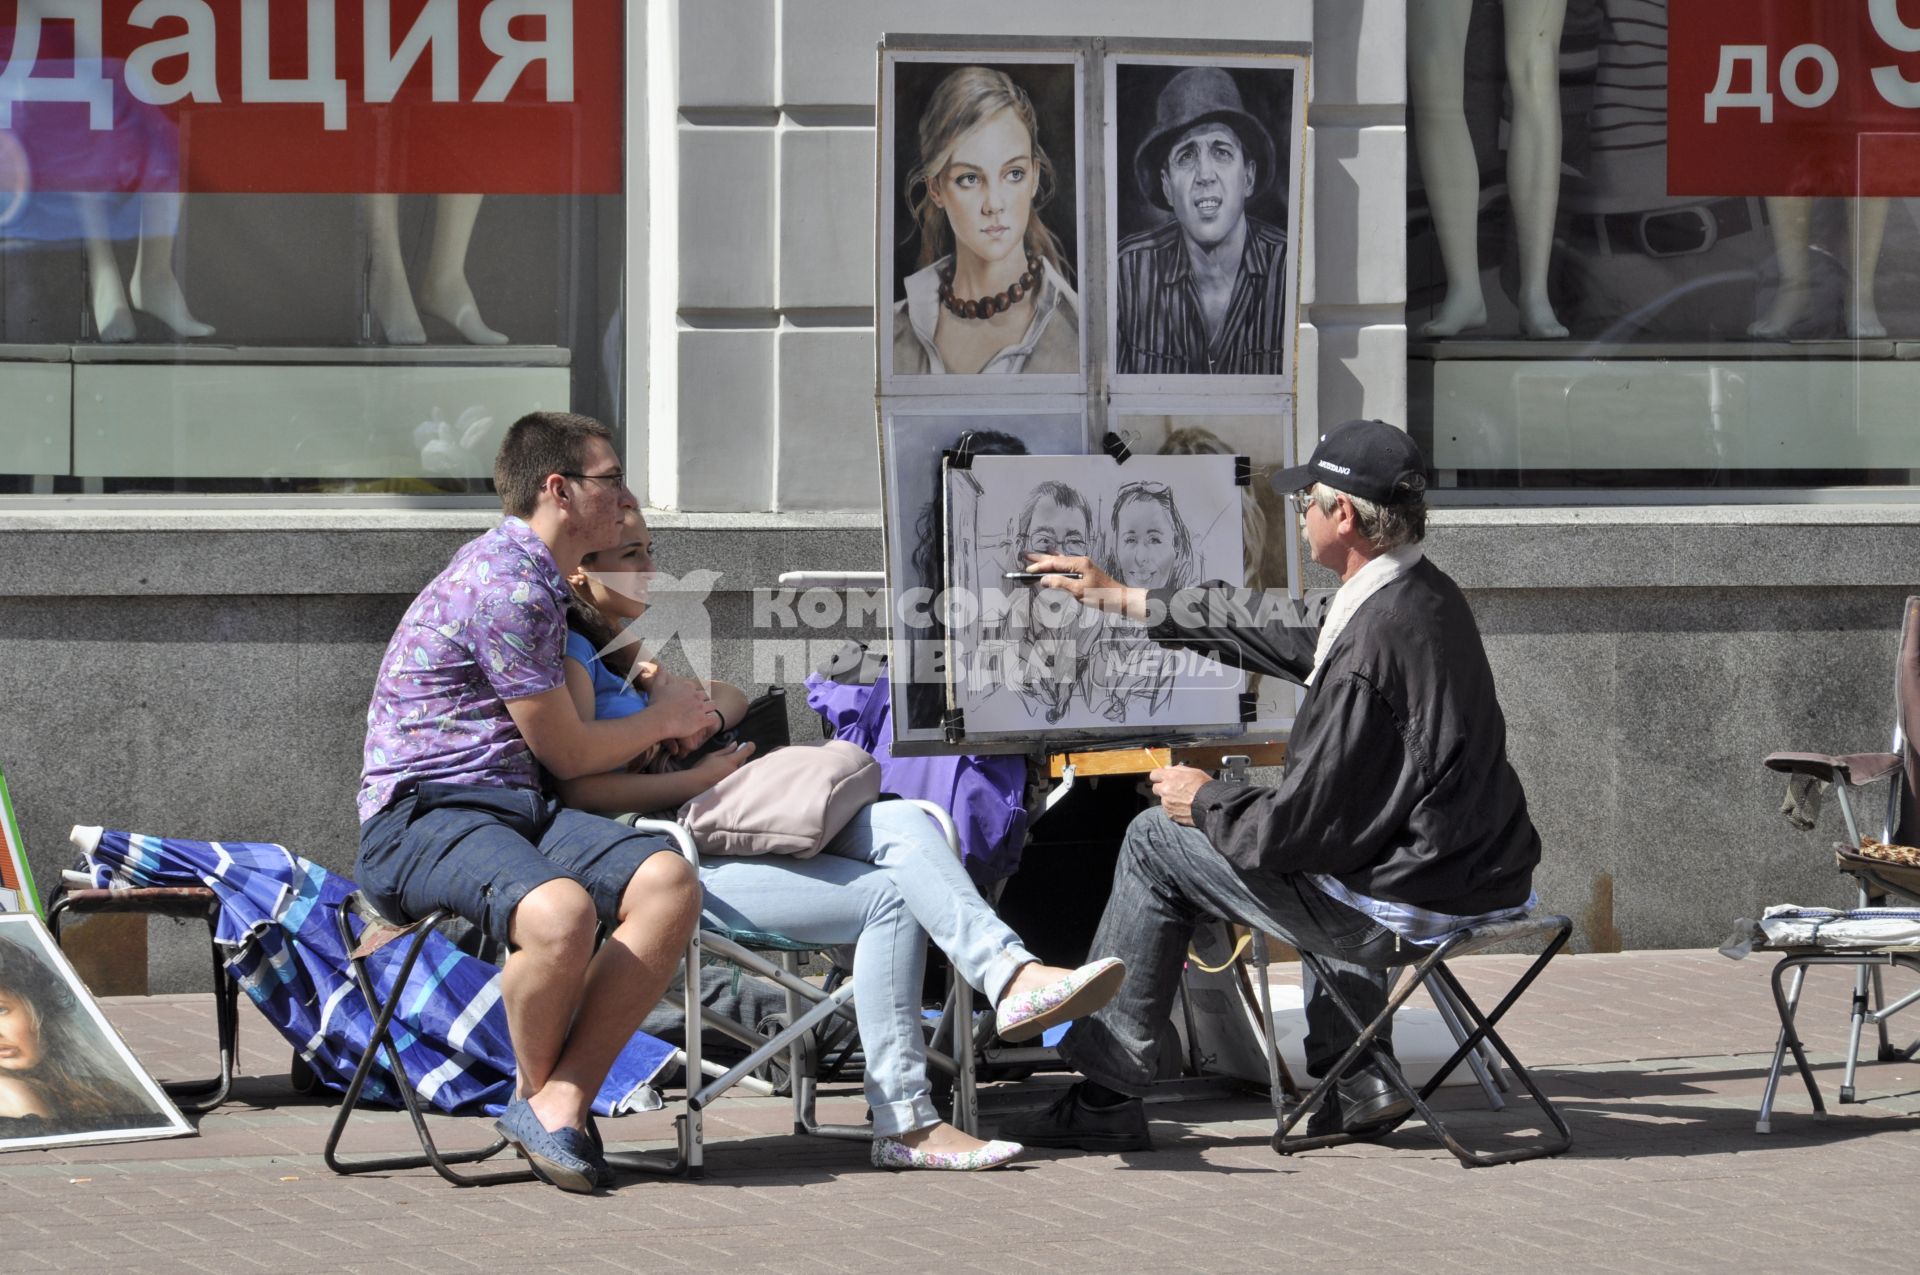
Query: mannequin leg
(1867,222)
(1791,217)
(388,291)
(1533,151)
(1436,59)
(444,291)
(112,316)
(155,288)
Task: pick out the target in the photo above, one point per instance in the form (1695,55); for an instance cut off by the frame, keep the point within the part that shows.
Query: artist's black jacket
(1396,779)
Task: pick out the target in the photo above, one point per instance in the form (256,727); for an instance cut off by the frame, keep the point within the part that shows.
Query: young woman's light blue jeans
(885,885)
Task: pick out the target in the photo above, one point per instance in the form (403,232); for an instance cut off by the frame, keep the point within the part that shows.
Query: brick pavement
(1656,1058)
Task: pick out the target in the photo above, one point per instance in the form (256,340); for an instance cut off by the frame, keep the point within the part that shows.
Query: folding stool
(1452,998)
(183,903)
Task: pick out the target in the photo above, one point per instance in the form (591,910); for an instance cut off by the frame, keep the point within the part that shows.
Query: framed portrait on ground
(981,222)
(66,1077)
(1204,159)
(911,447)
(16,874)
(1026,661)
(1269,528)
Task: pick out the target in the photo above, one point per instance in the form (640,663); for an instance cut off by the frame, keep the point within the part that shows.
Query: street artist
(1397,818)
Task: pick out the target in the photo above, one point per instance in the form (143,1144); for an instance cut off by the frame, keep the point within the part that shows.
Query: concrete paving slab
(1655,1058)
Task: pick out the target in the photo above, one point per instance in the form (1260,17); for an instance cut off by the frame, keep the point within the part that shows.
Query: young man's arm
(569,747)
(614,792)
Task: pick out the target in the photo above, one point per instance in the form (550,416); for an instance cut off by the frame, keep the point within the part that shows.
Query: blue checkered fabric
(278,929)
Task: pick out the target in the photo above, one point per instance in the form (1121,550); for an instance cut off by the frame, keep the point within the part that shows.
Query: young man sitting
(470,706)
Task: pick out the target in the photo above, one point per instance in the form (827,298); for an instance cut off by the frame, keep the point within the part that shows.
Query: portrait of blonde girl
(993,291)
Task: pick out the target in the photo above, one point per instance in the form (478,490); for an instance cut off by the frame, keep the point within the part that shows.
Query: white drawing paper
(1042,663)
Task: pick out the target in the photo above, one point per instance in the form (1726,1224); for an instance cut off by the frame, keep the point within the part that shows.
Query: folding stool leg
(1365,1042)
(1484,1029)
(1765,1122)
(205,1095)
(775,1045)
(192,1097)
(1785,1002)
(1476,1060)
(966,1099)
(798,1080)
(689,1129)
(1280,1086)
(838,1003)
(381,1038)
(1862,980)
(1882,1014)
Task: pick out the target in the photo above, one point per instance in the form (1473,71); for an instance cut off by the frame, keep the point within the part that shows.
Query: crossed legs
(1170,877)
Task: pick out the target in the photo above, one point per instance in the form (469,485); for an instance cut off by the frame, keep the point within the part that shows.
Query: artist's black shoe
(1071,1123)
(1363,1105)
(1370,1105)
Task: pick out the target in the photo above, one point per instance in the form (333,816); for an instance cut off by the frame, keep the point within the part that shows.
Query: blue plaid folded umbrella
(278,928)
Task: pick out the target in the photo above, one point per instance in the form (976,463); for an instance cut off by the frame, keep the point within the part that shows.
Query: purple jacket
(986,795)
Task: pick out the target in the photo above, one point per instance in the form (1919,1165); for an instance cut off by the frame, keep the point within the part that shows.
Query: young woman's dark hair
(71,1074)
(927,701)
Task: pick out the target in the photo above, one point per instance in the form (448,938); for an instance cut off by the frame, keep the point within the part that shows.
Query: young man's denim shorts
(477,850)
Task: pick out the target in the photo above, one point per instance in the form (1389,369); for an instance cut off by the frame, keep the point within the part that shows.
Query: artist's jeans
(885,885)
(1169,878)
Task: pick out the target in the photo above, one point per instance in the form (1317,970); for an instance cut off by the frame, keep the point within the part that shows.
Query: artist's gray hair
(1383,526)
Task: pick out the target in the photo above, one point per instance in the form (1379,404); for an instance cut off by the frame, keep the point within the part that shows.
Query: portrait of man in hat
(1202,290)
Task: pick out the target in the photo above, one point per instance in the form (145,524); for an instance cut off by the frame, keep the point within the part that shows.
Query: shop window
(1613,284)
(320,248)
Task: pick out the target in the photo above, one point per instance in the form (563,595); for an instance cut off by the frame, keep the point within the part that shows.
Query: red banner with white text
(1791,97)
(347,96)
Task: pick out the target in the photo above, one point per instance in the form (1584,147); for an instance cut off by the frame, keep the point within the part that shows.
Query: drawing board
(911,445)
(1031,661)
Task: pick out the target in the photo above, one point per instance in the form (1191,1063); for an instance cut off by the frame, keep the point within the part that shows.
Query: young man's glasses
(617,479)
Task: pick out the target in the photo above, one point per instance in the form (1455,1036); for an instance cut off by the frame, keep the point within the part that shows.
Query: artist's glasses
(1047,542)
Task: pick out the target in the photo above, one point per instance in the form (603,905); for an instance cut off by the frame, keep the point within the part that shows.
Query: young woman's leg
(907,845)
(836,901)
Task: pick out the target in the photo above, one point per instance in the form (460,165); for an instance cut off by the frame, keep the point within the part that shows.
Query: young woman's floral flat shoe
(891,1153)
(1081,992)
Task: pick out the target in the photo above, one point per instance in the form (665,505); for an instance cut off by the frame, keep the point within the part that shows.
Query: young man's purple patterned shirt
(490,628)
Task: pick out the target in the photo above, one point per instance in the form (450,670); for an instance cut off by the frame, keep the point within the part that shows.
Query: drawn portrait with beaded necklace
(993,291)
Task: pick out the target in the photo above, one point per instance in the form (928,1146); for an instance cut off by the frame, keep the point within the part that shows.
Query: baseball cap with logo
(1368,459)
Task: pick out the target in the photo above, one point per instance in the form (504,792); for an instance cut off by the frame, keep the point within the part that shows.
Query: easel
(1067,768)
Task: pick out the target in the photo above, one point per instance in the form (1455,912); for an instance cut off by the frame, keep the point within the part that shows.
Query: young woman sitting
(886,884)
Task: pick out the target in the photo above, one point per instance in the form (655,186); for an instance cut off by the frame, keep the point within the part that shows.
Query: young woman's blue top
(612,697)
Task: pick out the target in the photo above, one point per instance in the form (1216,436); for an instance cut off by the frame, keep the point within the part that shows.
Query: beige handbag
(790,802)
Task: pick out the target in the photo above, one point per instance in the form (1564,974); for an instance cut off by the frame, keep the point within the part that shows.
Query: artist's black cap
(1368,459)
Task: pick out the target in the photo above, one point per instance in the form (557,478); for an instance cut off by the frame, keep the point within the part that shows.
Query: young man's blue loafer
(554,1154)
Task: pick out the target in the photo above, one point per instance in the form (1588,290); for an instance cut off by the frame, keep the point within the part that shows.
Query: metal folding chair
(808,1006)
(1432,970)
(749,952)
(376,932)
(1879,882)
